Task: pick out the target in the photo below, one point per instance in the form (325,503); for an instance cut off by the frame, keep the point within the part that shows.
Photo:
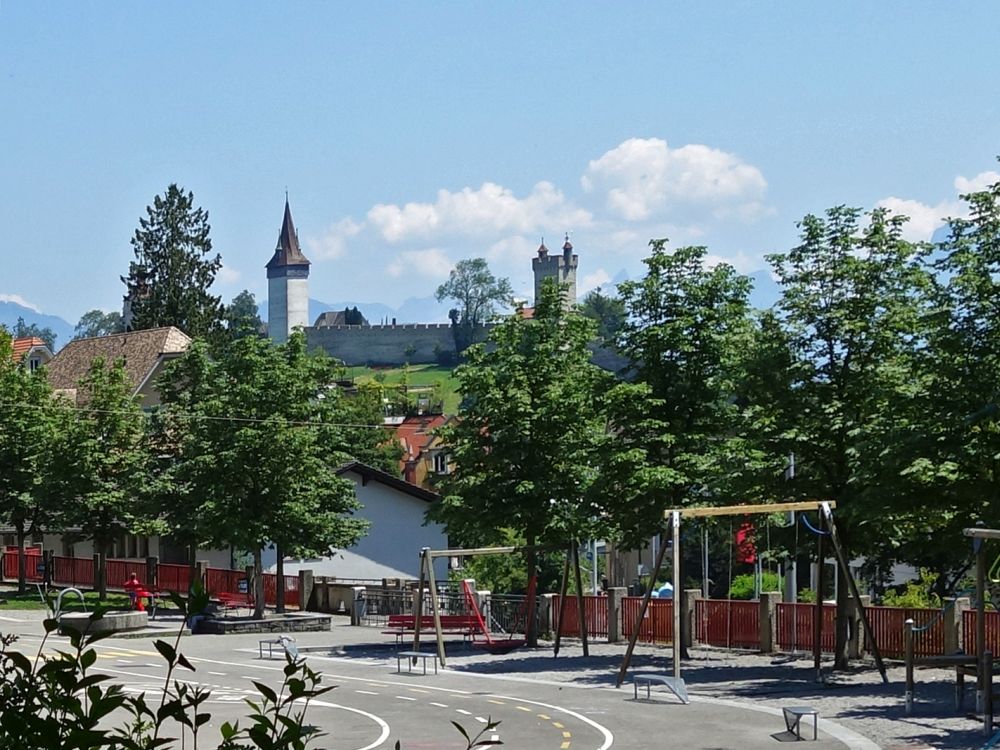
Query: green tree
(105,466)
(849,319)
(271,408)
(29,420)
(98,323)
(685,326)
(241,316)
(24,330)
(170,279)
(525,446)
(608,311)
(479,294)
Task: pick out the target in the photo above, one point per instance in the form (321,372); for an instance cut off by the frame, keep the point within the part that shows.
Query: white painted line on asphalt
(481,720)
(464,712)
(439,705)
(495,738)
(11,619)
(366,692)
(405,698)
(218,674)
(378,720)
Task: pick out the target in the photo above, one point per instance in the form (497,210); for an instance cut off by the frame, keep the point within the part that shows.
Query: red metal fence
(657,624)
(795,626)
(32,559)
(992,631)
(888,624)
(596,610)
(727,622)
(73,571)
(175,578)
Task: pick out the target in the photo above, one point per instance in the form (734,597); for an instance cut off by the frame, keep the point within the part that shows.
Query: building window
(34,363)
(441,463)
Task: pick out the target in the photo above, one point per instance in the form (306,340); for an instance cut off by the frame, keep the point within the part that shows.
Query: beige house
(145,354)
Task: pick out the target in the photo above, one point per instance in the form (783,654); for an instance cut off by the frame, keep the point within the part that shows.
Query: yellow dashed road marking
(543,716)
(523,708)
(418,690)
(557,725)
(499,703)
(567,735)
(564,745)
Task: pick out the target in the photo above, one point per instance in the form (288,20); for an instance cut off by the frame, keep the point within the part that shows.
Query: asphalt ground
(541,702)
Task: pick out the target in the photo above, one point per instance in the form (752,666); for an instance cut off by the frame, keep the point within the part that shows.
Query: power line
(191,416)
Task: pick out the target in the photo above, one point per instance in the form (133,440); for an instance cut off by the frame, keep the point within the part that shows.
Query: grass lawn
(419,377)
(10,600)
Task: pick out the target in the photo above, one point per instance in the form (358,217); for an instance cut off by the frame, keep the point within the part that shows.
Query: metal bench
(793,719)
(408,655)
(287,644)
(676,687)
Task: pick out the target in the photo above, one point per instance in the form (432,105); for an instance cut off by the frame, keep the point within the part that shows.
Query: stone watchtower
(287,284)
(561,267)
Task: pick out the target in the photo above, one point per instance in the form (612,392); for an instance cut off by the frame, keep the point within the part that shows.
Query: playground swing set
(827,529)
(493,642)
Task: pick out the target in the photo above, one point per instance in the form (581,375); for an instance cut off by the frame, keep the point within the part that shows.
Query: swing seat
(499,648)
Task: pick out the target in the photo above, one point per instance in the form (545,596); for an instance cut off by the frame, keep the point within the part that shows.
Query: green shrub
(917,594)
(742,586)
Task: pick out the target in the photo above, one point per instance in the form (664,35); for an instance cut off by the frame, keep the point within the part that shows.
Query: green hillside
(433,381)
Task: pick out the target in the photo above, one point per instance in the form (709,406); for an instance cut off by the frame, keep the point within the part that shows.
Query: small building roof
(371,474)
(140,350)
(416,434)
(24,345)
(288,252)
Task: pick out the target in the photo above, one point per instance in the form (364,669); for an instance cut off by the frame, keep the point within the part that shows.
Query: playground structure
(491,644)
(673,516)
(980,663)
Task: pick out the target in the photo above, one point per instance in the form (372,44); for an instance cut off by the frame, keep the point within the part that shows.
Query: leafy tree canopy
(24,330)
(98,323)
(241,316)
(479,294)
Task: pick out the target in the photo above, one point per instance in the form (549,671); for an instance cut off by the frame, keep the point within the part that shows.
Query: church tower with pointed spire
(560,267)
(287,284)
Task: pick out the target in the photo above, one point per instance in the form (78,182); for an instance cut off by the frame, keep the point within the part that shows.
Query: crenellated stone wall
(416,343)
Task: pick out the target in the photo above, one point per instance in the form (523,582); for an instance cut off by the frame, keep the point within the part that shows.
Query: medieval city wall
(416,343)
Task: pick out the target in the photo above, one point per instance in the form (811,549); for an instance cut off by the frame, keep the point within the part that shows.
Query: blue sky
(411,135)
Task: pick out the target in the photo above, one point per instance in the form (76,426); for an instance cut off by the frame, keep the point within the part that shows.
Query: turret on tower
(287,284)
(562,268)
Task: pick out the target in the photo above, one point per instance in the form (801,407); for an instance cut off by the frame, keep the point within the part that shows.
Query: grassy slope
(419,376)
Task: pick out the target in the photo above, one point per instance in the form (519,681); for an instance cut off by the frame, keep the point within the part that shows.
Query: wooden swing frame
(673,517)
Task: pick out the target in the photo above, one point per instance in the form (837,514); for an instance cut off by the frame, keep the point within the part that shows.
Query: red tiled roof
(415,434)
(25,345)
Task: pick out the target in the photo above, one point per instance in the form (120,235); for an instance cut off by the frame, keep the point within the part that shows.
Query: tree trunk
(530,631)
(192,550)
(279,599)
(22,563)
(258,586)
(102,570)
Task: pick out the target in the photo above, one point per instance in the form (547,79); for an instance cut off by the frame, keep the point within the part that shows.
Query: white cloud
(976,184)
(644,177)
(924,219)
(333,242)
(17,299)
(431,263)
(516,248)
(740,261)
(229,275)
(600,277)
(490,209)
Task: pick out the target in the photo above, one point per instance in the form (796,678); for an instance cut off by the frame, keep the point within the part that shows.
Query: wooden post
(638,620)
(908,647)
(562,603)
(580,601)
(429,563)
(986,669)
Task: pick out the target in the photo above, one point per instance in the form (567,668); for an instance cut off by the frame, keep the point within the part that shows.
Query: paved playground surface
(564,703)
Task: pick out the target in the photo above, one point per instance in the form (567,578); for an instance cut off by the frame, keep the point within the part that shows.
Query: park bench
(403,625)
(645,678)
(287,645)
(236,602)
(793,719)
(412,656)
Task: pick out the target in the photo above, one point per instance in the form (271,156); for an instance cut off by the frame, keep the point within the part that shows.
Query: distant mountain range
(11,311)
(413,310)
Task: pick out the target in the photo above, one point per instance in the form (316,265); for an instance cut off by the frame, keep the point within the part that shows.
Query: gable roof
(140,350)
(24,345)
(416,434)
(287,253)
(371,474)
